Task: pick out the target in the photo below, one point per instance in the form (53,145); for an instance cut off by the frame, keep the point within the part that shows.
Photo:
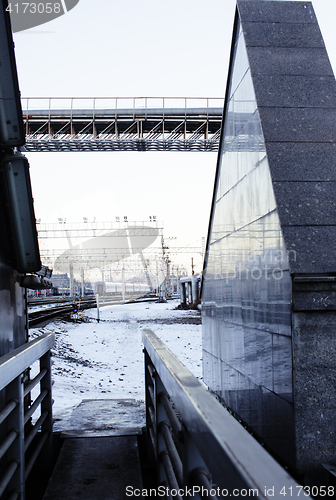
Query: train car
(116,288)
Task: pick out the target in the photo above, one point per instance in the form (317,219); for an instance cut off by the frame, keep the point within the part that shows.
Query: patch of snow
(94,360)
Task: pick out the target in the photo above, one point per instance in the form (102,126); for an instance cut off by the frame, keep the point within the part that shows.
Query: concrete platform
(103,417)
(96,468)
(99,456)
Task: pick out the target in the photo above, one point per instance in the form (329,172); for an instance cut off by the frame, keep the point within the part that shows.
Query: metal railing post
(160,415)
(116,119)
(150,413)
(49,117)
(27,119)
(94,131)
(15,422)
(71,126)
(163,118)
(46,406)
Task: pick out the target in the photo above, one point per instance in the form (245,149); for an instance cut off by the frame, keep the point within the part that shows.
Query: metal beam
(122,124)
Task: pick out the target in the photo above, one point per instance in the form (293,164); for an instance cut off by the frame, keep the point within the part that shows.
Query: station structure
(265,424)
(122,124)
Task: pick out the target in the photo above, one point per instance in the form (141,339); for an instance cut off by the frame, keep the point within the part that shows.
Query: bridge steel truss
(122,124)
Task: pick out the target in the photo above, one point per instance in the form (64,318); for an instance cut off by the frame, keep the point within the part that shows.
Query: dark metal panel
(289,61)
(311,249)
(315,203)
(299,161)
(283,91)
(279,34)
(13,331)
(314,301)
(299,124)
(314,346)
(11,129)
(276,12)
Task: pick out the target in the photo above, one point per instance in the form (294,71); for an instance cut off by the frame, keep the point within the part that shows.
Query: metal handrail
(17,361)
(132,113)
(217,451)
(132,107)
(132,102)
(18,432)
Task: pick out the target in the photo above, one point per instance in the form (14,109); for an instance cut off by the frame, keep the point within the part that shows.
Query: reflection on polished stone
(246,301)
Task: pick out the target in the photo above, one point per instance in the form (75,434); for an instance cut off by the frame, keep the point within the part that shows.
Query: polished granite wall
(246,300)
(272,221)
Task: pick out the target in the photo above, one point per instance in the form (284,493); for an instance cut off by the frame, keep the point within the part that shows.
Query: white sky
(133,48)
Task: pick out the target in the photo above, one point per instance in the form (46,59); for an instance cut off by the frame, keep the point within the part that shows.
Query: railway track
(45,310)
(40,310)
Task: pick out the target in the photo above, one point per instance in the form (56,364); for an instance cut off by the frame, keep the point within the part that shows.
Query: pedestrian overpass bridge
(122,124)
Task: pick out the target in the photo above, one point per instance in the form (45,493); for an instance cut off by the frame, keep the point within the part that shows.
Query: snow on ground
(94,360)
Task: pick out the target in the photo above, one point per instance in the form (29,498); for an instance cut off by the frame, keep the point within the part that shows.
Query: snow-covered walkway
(105,360)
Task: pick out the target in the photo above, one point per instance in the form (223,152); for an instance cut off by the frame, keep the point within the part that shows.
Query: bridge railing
(200,450)
(122,124)
(25,424)
(119,104)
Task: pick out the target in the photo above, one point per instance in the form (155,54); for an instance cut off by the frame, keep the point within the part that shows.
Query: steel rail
(11,405)
(8,475)
(143,113)
(35,405)
(37,317)
(67,145)
(24,356)
(35,429)
(11,436)
(37,451)
(29,387)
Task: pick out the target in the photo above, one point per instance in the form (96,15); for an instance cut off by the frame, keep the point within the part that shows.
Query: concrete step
(95,468)
(102,417)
